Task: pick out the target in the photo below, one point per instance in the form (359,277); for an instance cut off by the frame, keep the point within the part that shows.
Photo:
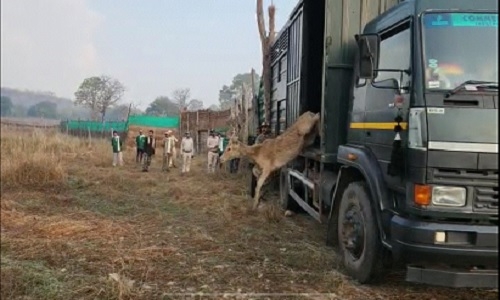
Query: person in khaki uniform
(187,151)
(168,145)
(213,151)
(173,157)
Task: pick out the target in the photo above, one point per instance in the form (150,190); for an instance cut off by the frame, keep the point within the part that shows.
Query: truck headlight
(448,196)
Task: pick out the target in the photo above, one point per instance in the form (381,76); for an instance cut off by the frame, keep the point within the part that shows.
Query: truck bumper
(468,256)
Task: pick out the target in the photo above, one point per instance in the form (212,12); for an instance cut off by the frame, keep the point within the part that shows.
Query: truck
(405,168)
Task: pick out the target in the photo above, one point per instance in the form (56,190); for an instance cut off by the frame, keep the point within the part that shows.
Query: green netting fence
(152,121)
(103,129)
(94,126)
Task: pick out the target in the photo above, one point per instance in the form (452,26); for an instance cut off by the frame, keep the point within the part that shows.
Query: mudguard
(367,164)
(327,185)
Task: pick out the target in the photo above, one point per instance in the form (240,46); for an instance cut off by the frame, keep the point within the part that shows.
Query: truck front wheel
(359,243)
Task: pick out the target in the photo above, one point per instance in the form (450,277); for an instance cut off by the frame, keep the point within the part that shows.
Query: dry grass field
(73,227)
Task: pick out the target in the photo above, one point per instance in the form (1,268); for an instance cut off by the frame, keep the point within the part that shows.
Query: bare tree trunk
(266,42)
(253,99)
(129,111)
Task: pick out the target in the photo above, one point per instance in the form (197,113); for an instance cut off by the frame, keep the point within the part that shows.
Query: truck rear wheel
(359,243)
(286,201)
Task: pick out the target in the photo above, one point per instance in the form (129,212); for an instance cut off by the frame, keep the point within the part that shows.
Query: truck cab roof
(408,8)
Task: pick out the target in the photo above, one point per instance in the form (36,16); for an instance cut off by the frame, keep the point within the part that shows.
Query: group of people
(146,149)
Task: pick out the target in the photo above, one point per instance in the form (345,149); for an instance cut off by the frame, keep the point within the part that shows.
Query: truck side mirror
(368,46)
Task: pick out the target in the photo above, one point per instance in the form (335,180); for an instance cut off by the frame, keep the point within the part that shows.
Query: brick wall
(198,123)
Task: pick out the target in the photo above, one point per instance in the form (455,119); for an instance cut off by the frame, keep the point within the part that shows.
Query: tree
(227,93)
(87,95)
(266,40)
(225,96)
(99,94)
(195,105)
(181,97)
(162,106)
(19,111)
(112,92)
(6,106)
(214,107)
(45,109)
(121,112)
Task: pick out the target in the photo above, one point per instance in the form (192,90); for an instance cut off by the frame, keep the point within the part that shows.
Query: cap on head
(115,132)
(264,124)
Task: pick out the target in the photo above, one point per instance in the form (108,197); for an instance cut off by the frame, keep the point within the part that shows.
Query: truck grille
(484,183)
(485,199)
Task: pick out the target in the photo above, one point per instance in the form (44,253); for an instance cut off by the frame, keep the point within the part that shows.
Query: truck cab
(406,166)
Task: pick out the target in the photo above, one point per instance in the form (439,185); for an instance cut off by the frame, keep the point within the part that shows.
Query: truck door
(380,112)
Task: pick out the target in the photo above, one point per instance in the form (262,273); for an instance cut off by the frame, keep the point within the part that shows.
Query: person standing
(168,145)
(187,151)
(149,150)
(265,133)
(173,158)
(221,148)
(117,144)
(139,144)
(213,151)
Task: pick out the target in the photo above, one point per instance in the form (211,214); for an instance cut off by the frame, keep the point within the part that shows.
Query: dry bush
(34,159)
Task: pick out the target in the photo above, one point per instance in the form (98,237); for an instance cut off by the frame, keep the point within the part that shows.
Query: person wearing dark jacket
(149,150)
(139,144)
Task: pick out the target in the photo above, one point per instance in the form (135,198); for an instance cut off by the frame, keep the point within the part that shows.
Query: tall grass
(35,158)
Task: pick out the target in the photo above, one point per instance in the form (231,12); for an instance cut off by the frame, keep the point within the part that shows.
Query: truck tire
(359,245)
(286,201)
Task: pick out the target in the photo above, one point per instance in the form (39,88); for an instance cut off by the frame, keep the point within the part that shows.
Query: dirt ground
(74,227)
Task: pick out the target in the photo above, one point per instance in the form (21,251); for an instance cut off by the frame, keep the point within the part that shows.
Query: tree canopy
(43,109)
(166,106)
(182,98)
(227,92)
(162,106)
(6,107)
(99,94)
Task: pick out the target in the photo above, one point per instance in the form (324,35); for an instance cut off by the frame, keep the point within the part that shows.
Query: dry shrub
(272,212)
(54,227)
(34,159)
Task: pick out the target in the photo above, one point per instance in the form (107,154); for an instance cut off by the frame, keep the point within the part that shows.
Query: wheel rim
(353,232)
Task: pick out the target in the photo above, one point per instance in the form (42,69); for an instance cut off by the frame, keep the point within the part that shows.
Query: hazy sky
(151,46)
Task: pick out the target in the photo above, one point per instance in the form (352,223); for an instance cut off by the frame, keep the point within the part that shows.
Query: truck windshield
(459,47)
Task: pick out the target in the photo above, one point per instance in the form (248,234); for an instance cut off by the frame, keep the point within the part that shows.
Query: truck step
(453,277)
